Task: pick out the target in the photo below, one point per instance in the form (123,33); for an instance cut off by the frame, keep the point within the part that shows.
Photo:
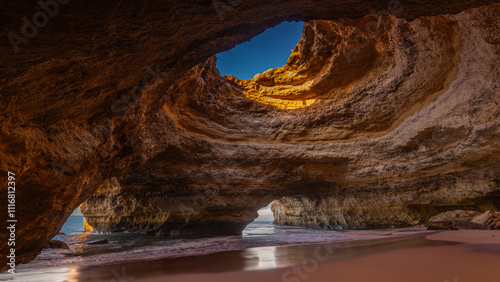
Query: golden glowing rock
(315,69)
(87,226)
(401,133)
(71,115)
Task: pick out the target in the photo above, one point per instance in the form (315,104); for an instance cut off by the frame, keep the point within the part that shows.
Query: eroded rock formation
(424,104)
(460,219)
(387,132)
(57,244)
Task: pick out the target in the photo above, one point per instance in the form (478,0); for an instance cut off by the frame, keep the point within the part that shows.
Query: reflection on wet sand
(73,274)
(253,259)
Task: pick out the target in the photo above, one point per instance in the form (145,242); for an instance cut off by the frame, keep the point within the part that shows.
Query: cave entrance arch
(262,224)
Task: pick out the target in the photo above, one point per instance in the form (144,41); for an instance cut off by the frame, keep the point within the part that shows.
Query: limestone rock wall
(387,132)
(396,203)
(85,98)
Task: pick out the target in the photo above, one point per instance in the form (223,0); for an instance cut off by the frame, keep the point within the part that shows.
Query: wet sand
(450,256)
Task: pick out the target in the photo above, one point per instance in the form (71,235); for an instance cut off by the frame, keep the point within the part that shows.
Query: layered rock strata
(346,135)
(88,94)
(460,219)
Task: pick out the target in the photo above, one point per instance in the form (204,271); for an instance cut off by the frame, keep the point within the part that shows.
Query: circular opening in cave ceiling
(268,50)
(261,67)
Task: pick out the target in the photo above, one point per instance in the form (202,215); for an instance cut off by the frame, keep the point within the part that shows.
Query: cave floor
(390,255)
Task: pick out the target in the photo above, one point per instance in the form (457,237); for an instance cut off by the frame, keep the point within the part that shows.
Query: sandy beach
(476,257)
(448,256)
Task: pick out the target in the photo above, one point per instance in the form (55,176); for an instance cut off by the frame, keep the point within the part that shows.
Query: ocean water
(74,224)
(56,264)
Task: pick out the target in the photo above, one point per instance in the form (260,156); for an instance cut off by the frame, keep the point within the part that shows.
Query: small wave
(132,247)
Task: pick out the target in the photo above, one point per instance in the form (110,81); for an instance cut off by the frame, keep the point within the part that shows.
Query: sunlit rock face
(395,203)
(72,115)
(351,133)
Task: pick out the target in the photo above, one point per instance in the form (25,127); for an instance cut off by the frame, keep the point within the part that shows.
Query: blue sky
(268,50)
(77,212)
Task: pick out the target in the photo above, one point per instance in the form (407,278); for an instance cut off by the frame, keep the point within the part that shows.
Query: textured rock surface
(460,219)
(413,134)
(489,218)
(57,244)
(454,220)
(69,120)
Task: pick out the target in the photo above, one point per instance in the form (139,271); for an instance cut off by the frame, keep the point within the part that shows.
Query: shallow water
(259,243)
(74,224)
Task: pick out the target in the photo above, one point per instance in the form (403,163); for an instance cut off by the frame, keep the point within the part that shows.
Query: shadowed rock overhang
(123,98)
